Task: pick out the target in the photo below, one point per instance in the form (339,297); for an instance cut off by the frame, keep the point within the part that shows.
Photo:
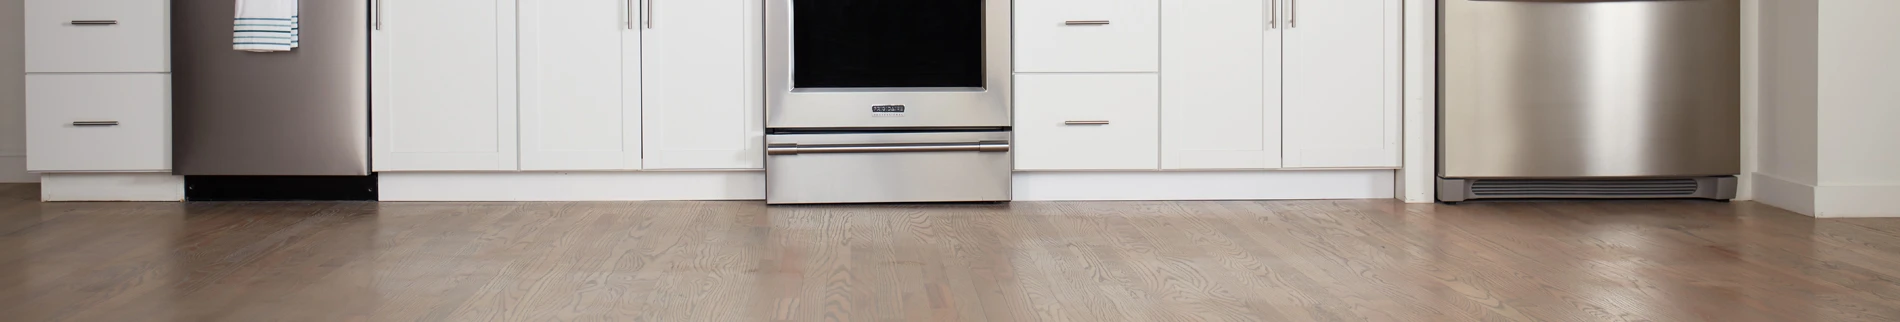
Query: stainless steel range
(887,101)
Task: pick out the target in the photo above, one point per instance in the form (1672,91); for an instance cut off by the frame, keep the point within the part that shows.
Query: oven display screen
(887,43)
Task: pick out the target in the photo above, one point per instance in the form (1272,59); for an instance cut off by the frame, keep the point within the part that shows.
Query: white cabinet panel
(1086,35)
(1220,85)
(580,85)
(1342,84)
(112,36)
(444,96)
(98,122)
(703,85)
(1087,121)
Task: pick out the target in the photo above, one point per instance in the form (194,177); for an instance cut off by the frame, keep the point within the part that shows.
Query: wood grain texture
(1358,260)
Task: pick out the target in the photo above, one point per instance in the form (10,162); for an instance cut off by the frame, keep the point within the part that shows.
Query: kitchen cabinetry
(444,91)
(1342,87)
(703,84)
(601,85)
(580,85)
(98,100)
(1086,121)
(1280,84)
(1220,85)
(1086,36)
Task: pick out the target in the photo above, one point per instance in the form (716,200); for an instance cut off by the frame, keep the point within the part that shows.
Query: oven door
(839,64)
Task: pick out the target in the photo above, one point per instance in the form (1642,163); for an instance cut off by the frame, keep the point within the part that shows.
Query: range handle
(795,149)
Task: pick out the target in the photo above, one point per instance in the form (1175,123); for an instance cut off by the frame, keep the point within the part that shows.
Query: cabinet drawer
(112,36)
(98,122)
(1087,36)
(1088,122)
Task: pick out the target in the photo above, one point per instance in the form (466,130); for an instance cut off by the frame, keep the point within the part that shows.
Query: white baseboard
(1860,201)
(1029,186)
(571,186)
(1784,193)
(112,187)
(1210,185)
(13,170)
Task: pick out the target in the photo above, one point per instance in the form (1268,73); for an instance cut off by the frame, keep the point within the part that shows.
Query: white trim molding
(570,186)
(112,187)
(1204,185)
(1417,182)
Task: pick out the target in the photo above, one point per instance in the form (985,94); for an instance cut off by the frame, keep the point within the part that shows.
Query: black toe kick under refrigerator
(887,101)
(268,124)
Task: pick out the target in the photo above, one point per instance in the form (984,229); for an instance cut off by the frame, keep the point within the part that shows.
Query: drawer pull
(1085,123)
(1085,22)
(96,123)
(95,22)
(794,149)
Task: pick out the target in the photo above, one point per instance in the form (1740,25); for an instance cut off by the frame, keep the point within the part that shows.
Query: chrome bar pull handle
(94,22)
(1104,122)
(1293,14)
(648,18)
(1085,22)
(1273,14)
(795,149)
(376,20)
(630,15)
(96,123)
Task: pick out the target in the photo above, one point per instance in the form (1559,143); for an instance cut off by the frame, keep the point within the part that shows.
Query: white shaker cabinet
(443,85)
(580,85)
(703,80)
(1220,85)
(1342,87)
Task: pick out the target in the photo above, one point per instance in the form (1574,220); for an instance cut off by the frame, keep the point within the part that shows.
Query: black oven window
(887,43)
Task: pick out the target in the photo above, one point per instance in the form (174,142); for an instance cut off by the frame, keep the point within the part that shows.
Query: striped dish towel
(265,26)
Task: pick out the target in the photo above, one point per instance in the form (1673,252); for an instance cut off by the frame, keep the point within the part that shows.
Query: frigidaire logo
(887,109)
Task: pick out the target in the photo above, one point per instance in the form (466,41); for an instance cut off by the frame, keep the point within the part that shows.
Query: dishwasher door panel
(1545,89)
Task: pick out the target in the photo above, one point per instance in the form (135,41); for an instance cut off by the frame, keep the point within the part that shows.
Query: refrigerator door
(298,113)
(1583,88)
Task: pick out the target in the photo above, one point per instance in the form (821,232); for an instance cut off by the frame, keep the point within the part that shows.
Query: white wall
(12,100)
(1828,105)
(1859,119)
(1787,152)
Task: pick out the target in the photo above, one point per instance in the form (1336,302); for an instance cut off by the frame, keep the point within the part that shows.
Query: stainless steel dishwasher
(1589,99)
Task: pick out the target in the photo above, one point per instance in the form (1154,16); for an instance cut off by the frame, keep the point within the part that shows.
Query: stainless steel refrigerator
(299,113)
(1589,99)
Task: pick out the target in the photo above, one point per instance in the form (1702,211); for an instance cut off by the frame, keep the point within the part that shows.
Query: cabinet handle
(648,18)
(1273,14)
(1085,22)
(1085,123)
(95,22)
(96,123)
(630,15)
(1293,14)
(376,20)
(794,149)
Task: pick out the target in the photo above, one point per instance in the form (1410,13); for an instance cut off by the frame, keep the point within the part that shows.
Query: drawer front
(1088,122)
(887,167)
(1087,36)
(97,36)
(98,122)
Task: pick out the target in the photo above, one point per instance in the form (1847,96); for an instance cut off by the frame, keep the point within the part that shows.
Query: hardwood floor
(1371,260)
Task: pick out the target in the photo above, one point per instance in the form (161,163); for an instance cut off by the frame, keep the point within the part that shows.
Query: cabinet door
(1219,85)
(580,85)
(443,75)
(1342,84)
(703,79)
